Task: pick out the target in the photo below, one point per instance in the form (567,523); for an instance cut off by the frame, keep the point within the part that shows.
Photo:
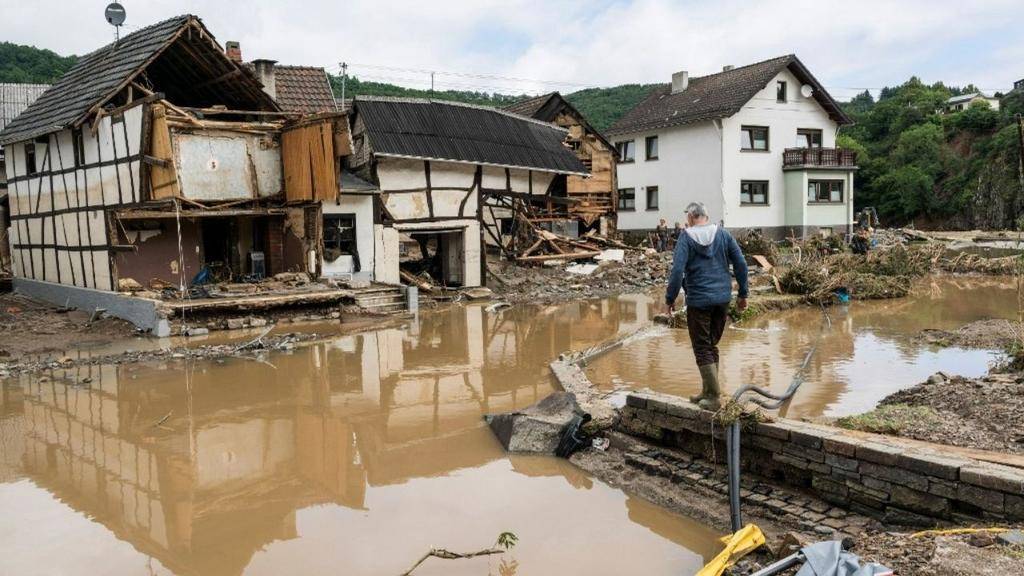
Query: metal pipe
(733,449)
(787,562)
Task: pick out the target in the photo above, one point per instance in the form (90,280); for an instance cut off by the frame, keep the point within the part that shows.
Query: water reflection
(352,455)
(869,349)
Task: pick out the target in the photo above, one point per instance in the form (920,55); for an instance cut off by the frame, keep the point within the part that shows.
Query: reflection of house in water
(202,464)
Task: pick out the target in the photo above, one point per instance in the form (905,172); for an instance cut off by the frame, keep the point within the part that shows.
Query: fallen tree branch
(448,555)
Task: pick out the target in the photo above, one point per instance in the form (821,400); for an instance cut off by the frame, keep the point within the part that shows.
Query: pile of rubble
(622,271)
(284,282)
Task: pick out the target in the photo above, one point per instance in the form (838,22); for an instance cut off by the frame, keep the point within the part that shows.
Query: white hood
(704,234)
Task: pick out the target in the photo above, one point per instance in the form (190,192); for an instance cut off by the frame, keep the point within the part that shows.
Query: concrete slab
(141,312)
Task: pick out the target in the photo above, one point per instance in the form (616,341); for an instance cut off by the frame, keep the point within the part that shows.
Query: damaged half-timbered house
(596,203)
(157,160)
(430,184)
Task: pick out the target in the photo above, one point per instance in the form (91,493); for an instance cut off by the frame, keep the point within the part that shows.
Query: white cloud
(868,43)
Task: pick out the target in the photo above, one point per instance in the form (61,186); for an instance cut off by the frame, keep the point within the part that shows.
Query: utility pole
(431,83)
(344,75)
(1020,148)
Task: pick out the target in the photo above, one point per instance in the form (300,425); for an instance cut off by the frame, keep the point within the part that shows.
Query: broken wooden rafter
(568,256)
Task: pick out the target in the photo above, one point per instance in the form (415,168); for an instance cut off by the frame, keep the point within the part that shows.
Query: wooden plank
(571,256)
(163,178)
(762,262)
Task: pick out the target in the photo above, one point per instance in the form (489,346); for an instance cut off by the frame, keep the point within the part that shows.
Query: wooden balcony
(799,158)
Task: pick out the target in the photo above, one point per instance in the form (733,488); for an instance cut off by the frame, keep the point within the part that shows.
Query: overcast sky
(849,45)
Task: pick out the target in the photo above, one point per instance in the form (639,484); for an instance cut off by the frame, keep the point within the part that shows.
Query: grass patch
(891,419)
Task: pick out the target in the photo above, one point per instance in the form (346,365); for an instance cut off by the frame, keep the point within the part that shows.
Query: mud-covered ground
(29,327)
(996,334)
(923,555)
(985,413)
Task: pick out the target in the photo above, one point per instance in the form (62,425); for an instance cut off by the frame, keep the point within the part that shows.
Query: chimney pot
(727,67)
(233,50)
(680,80)
(265,73)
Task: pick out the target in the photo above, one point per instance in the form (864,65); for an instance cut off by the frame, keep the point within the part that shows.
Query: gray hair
(696,210)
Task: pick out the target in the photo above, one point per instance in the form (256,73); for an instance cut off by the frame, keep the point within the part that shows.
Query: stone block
(944,488)
(636,401)
(920,502)
(819,468)
(805,452)
(663,420)
(683,410)
(841,475)
(944,467)
(767,443)
(879,453)
(856,488)
(1011,538)
(839,445)
(901,517)
(790,460)
(771,430)
(994,476)
(895,475)
(826,486)
(806,438)
(1014,506)
(837,461)
(876,484)
(235,323)
(987,499)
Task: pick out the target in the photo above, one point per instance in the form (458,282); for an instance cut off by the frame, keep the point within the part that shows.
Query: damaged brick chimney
(233,50)
(265,74)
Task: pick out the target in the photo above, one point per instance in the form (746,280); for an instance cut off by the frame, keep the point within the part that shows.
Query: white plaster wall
(362,207)
(386,255)
(220,165)
(60,186)
(782,120)
(688,169)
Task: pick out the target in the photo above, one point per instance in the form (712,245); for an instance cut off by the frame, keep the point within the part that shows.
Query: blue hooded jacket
(704,269)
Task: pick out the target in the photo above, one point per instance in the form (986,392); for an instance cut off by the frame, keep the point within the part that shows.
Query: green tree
(27,64)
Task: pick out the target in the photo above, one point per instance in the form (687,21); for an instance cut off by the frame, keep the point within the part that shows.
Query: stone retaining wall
(883,477)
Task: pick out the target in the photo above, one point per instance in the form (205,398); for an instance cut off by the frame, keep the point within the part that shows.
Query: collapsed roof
(546,107)
(718,96)
(439,130)
(178,57)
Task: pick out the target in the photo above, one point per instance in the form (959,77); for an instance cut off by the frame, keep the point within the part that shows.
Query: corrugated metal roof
(717,96)
(457,132)
(15,98)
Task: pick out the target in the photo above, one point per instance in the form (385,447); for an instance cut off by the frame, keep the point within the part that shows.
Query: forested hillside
(937,170)
(30,65)
(601,106)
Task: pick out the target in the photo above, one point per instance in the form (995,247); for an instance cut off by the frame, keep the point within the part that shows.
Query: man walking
(701,263)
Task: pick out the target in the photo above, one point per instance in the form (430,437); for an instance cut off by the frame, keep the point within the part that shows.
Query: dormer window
(780,91)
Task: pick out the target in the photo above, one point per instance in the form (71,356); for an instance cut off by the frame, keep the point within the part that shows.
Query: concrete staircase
(380,299)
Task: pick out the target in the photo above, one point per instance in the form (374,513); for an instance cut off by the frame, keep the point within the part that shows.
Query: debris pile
(637,271)
(886,272)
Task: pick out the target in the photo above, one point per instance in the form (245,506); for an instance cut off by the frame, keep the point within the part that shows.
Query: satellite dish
(115,14)
(806,91)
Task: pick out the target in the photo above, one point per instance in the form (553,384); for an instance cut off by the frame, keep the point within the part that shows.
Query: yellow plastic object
(737,545)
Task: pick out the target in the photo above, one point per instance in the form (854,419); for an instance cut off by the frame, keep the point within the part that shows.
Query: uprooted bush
(883,273)
(754,242)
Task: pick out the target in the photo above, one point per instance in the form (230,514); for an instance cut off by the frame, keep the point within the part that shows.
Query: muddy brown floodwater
(870,350)
(354,455)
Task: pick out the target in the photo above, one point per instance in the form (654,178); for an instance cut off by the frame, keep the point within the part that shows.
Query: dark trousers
(706,326)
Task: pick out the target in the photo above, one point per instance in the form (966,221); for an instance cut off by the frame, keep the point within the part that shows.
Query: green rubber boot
(709,391)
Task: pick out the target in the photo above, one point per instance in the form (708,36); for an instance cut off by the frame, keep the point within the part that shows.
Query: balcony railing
(819,158)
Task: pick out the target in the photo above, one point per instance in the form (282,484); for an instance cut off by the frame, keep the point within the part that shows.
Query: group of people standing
(665,239)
